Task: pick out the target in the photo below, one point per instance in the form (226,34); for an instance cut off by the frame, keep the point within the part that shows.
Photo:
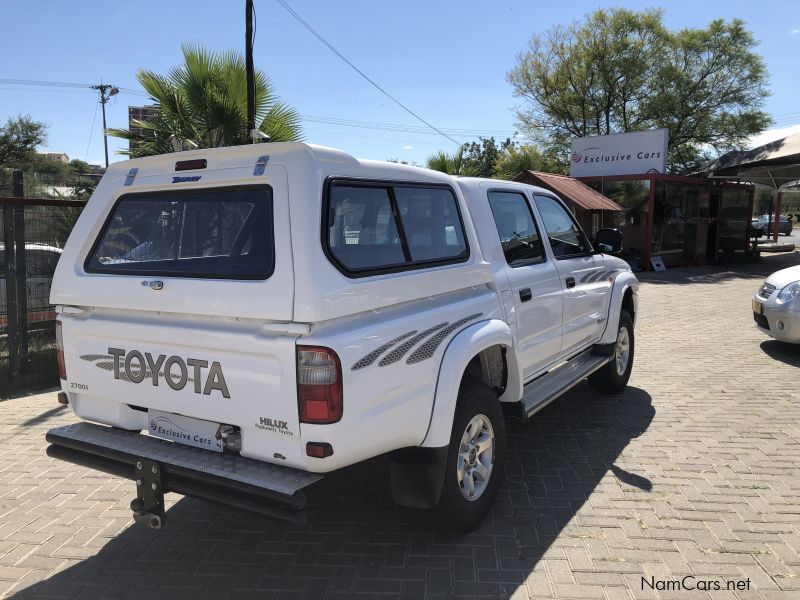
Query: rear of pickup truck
(177,346)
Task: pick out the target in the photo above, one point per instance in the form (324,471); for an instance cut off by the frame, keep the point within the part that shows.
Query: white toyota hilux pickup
(234,323)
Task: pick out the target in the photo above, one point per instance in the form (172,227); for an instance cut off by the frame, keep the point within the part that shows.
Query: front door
(536,303)
(587,287)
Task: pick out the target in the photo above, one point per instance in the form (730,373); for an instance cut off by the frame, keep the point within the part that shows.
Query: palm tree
(203,104)
(452,164)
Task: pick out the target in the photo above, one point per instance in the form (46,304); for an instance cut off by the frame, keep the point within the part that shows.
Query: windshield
(223,233)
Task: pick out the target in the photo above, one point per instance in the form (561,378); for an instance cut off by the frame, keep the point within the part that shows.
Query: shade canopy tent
(776,164)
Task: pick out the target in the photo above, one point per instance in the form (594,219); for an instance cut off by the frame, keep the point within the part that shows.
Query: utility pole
(248,53)
(106,91)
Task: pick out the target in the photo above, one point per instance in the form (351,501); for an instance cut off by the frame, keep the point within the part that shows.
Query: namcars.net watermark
(691,582)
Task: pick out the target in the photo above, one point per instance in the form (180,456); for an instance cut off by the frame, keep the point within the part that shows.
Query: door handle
(525,294)
(570,282)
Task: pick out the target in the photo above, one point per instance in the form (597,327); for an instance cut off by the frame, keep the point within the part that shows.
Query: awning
(776,164)
(570,189)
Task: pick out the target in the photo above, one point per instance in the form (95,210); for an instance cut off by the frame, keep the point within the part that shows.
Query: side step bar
(158,466)
(543,390)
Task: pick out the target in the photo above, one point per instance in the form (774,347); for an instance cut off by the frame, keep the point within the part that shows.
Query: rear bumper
(270,490)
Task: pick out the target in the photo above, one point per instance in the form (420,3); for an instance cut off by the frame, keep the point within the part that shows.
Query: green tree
(481,157)
(486,158)
(19,138)
(79,167)
(48,166)
(619,70)
(517,159)
(452,164)
(203,104)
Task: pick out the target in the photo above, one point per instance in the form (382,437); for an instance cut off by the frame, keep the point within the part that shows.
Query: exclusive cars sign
(621,154)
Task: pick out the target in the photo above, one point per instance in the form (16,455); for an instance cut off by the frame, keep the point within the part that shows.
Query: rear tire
(614,376)
(475,460)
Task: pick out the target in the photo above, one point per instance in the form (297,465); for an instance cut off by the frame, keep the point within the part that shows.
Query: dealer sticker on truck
(185,430)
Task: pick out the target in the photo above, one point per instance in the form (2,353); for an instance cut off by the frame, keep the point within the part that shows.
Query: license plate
(758,308)
(185,430)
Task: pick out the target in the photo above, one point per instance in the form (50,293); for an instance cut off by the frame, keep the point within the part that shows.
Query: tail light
(319,385)
(62,368)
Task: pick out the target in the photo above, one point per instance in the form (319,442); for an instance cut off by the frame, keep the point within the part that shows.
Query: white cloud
(408,147)
(770,135)
(794,31)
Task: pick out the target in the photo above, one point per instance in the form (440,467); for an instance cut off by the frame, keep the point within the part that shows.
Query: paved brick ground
(692,471)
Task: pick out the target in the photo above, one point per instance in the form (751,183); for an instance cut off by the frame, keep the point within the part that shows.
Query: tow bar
(148,506)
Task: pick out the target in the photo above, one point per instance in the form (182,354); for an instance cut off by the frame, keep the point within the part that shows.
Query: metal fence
(34,231)
(49,186)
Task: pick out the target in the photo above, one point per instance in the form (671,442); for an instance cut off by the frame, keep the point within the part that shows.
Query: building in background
(683,220)
(57,156)
(621,181)
(140,113)
(591,209)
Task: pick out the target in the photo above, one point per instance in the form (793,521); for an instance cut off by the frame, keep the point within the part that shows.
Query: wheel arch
(623,297)
(474,350)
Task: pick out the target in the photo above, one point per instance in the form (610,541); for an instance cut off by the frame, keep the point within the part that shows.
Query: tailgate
(224,371)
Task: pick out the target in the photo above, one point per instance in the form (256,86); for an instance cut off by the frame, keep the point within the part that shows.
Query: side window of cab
(519,235)
(374,227)
(566,238)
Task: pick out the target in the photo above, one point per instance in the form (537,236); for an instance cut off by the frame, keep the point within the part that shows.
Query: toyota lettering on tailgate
(136,366)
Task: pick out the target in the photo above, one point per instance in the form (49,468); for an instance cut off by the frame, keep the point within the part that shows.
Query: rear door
(587,289)
(120,365)
(534,281)
(180,296)
(220,249)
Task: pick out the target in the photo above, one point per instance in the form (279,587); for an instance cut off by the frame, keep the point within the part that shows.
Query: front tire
(614,376)
(475,459)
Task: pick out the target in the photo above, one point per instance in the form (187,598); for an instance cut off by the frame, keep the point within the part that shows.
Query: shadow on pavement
(44,416)
(358,544)
(27,393)
(782,351)
(757,271)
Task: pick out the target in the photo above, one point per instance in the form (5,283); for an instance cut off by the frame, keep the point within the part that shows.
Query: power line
(66,84)
(410,141)
(91,131)
(6,87)
(44,83)
(359,71)
(63,87)
(403,128)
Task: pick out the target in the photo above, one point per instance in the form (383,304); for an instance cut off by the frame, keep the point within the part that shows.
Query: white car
(40,263)
(776,305)
(272,312)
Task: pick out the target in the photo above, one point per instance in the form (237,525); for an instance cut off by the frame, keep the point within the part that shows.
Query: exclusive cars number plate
(185,430)
(758,308)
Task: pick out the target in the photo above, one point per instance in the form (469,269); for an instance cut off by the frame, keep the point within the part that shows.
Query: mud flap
(417,476)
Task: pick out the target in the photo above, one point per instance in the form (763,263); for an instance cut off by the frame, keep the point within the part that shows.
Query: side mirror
(608,241)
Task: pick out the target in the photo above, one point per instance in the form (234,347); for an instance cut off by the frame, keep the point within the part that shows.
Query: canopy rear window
(221,233)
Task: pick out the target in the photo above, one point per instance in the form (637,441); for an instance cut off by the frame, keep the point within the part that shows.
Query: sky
(445,60)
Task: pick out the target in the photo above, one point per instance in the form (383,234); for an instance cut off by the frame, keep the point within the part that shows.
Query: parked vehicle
(767,224)
(40,263)
(776,305)
(292,313)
